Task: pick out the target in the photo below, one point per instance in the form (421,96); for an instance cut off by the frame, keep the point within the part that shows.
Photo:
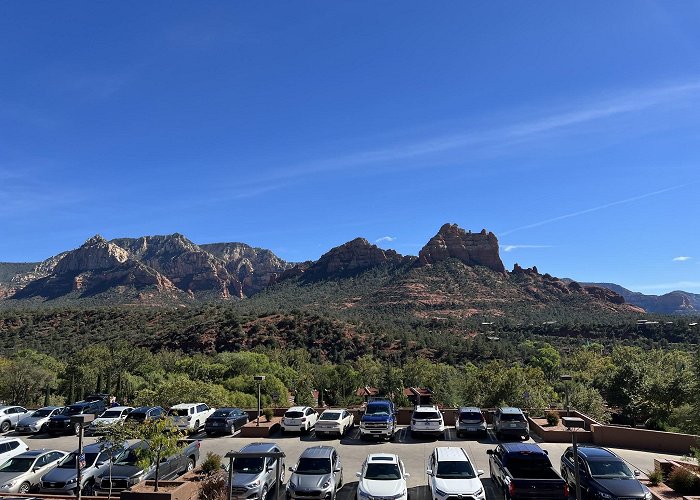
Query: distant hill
(456,275)
(676,302)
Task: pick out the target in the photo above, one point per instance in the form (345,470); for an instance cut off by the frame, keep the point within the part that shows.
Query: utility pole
(80,420)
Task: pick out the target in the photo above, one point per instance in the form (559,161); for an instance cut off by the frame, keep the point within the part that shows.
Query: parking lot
(353,451)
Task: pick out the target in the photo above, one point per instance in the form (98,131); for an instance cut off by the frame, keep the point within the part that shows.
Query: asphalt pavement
(353,451)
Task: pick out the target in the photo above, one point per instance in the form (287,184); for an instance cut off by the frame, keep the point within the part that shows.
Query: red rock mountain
(472,249)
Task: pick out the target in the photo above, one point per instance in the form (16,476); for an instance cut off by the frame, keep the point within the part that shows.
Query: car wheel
(281,477)
(89,489)
(190,464)
(340,483)
(5,426)
(23,488)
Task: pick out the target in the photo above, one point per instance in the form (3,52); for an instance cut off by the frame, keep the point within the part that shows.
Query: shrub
(656,477)
(552,418)
(214,487)
(211,464)
(269,413)
(682,481)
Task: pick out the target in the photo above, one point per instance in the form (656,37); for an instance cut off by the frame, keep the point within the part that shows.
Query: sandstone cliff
(472,249)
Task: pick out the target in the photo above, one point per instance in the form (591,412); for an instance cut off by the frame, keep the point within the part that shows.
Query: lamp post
(80,420)
(567,379)
(259,379)
(574,423)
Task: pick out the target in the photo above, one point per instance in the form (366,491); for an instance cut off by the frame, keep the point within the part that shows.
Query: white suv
(382,476)
(11,447)
(190,417)
(299,419)
(427,420)
(451,474)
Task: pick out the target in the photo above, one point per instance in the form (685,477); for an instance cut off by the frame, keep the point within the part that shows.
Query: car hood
(383,488)
(310,481)
(6,477)
(122,471)
(621,487)
(104,421)
(33,420)
(376,418)
(58,475)
(243,478)
(458,486)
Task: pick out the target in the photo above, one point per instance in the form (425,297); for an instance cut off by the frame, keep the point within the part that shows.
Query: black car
(144,413)
(225,421)
(603,475)
(61,424)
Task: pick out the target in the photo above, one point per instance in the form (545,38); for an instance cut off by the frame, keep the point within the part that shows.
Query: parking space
(413,451)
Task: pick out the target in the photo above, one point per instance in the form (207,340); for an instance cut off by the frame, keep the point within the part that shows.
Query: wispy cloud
(510,248)
(385,239)
(592,209)
(536,126)
(682,258)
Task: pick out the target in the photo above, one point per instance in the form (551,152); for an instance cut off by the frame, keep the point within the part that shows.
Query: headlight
(478,492)
(254,484)
(326,484)
(72,480)
(440,492)
(604,495)
(7,485)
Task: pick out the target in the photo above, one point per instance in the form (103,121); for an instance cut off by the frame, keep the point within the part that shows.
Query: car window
(4,447)
(42,460)
(428,415)
(202,408)
(457,469)
(22,410)
(13,444)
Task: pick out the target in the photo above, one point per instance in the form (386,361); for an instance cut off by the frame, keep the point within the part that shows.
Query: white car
(427,421)
(190,417)
(451,474)
(11,447)
(334,422)
(299,419)
(111,416)
(383,476)
(10,416)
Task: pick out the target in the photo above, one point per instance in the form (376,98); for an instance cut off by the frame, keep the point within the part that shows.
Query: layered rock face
(95,254)
(473,249)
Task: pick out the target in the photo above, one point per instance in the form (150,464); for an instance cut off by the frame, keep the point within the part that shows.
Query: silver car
(64,481)
(318,475)
(10,416)
(37,421)
(21,474)
(254,477)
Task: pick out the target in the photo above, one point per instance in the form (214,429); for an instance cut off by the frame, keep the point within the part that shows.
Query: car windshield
(138,416)
(74,410)
(41,413)
(182,412)
(313,466)
(129,458)
(455,470)
(377,410)
(111,414)
(472,415)
(17,464)
(426,415)
(69,461)
(294,414)
(512,417)
(221,413)
(330,416)
(248,464)
(609,468)
(383,472)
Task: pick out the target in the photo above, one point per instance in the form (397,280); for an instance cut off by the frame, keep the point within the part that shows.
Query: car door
(242,419)
(43,464)
(337,469)
(498,465)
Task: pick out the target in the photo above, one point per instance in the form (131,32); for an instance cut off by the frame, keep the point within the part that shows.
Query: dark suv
(61,424)
(144,413)
(603,474)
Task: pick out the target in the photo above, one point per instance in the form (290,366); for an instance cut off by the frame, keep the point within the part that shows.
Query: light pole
(567,379)
(574,423)
(80,420)
(259,379)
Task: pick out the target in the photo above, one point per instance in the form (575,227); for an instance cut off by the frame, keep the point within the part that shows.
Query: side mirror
(429,472)
(406,475)
(292,469)
(338,470)
(358,474)
(479,472)
(489,452)
(637,473)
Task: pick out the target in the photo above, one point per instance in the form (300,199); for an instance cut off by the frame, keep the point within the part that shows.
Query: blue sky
(572,131)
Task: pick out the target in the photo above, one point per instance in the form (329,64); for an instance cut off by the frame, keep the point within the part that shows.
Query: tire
(5,426)
(263,495)
(281,478)
(190,464)
(24,487)
(209,434)
(196,426)
(89,489)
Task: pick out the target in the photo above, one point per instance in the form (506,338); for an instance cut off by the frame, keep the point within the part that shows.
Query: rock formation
(473,249)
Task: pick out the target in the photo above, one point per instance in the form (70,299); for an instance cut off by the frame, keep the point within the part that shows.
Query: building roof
(417,391)
(367,391)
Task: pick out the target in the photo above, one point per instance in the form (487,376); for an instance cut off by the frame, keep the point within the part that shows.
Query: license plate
(513,425)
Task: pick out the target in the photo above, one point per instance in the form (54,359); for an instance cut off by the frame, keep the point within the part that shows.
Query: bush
(269,413)
(552,418)
(214,487)
(656,477)
(211,464)
(682,481)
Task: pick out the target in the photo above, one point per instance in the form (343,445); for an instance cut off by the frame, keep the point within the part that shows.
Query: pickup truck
(126,473)
(523,470)
(379,420)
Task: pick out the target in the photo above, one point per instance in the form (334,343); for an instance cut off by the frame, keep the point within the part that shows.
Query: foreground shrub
(214,487)
(683,481)
(211,464)
(656,477)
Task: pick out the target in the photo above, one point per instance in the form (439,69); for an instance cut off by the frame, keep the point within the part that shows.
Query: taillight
(511,489)
(566,490)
